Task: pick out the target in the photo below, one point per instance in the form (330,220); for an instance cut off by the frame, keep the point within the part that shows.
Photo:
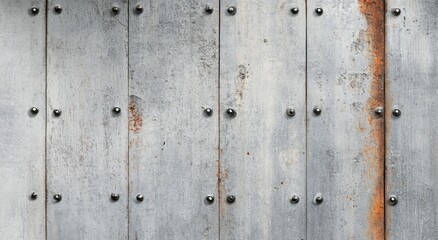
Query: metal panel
(262,148)
(411,152)
(22,133)
(345,162)
(173,55)
(87,145)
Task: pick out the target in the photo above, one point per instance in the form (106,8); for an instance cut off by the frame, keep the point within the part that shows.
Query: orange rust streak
(135,120)
(374,12)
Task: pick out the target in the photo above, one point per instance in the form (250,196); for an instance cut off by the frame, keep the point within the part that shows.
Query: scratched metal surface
(345,71)
(87,75)
(173,145)
(22,135)
(262,149)
(411,152)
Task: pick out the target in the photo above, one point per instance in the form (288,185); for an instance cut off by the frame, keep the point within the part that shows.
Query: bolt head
(34,10)
(396,112)
(231,198)
(116,10)
(57,197)
(232,10)
(57,112)
(139,197)
(33,195)
(117,110)
(231,112)
(295,10)
(396,11)
(294,199)
(317,110)
(378,111)
(290,112)
(209,9)
(392,200)
(34,110)
(139,9)
(58,9)
(208,111)
(319,200)
(319,11)
(115,196)
(209,199)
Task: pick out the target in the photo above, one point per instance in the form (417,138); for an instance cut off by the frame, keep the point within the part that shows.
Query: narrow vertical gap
(127,128)
(306,120)
(219,179)
(46,198)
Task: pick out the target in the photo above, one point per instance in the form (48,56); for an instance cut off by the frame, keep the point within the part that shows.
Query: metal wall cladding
(245,119)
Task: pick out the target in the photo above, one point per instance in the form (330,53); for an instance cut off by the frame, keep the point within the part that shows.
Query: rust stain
(374,12)
(241,82)
(135,119)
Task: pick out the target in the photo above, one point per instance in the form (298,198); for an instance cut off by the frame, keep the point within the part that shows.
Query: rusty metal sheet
(345,161)
(22,133)
(411,87)
(173,141)
(87,76)
(263,151)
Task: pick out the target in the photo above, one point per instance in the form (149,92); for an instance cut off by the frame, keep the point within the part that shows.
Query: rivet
(35,10)
(294,199)
(378,111)
(57,112)
(115,196)
(34,110)
(396,11)
(57,197)
(208,111)
(295,10)
(117,110)
(209,9)
(290,112)
(231,112)
(396,112)
(33,195)
(232,10)
(319,11)
(231,198)
(139,197)
(209,199)
(318,199)
(139,9)
(317,110)
(116,10)
(58,9)
(392,200)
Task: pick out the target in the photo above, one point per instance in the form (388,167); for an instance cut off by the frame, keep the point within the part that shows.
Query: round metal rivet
(319,11)
(392,200)
(58,9)
(232,10)
(35,10)
(378,111)
(57,197)
(396,112)
(319,199)
(209,9)
(294,199)
(139,197)
(208,111)
(139,9)
(295,10)
(34,110)
(116,10)
(231,112)
(33,195)
(209,199)
(231,198)
(57,112)
(396,11)
(117,110)
(290,112)
(317,110)
(115,196)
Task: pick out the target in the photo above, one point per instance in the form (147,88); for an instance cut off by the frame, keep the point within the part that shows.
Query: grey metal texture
(345,70)
(263,151)
(22,134)
(411,152)
(87,146)
(173,144)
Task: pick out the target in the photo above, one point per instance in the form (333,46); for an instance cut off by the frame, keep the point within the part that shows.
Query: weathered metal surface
(87,144)
(345,72)
(263,150)
(411,152)
(173,143)
(22,134)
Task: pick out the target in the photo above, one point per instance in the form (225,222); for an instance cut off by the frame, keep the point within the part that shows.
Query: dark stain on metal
(374,12)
